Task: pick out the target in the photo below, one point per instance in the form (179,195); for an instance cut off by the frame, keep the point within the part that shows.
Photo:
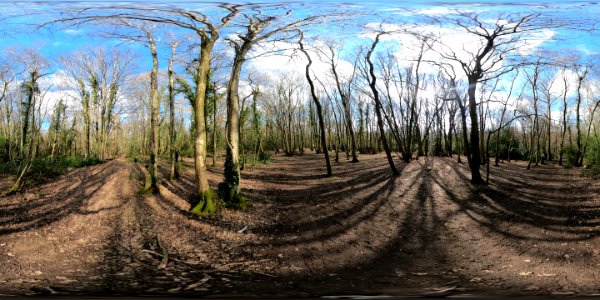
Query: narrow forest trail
(70,232)
(427,231)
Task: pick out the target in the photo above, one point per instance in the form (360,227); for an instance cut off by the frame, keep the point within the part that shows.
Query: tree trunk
(154,98)
(317,105)
(230,187)
(172,133)
(578,118)
(475,161)
(207,198)
(214,133)
(373,85)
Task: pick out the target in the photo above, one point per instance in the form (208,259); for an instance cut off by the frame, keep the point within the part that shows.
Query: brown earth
(362,231)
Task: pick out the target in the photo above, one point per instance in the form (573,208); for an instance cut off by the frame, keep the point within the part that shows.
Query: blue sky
(19,30)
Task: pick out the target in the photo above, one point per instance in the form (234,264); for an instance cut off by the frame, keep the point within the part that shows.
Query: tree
(345,93)
(483,64)
(256,30)
(315,99)
(208,33)
(581,74)
(34,66)
(378,107)
(174,170)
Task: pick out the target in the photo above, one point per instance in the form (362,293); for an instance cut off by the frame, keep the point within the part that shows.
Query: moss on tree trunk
(207,204)
(229,189)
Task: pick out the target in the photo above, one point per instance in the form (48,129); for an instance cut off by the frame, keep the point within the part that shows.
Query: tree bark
(207,197)
(475,161)
(155,104)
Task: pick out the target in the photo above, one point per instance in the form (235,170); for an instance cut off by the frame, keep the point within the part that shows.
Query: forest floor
(362,231)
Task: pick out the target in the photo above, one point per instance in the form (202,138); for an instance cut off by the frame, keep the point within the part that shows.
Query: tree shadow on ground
(47,204)
(546,203)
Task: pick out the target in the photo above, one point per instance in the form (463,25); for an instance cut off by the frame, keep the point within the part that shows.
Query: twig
(165,252)
(277,220)
(246,262)
(265,274)
(243,229)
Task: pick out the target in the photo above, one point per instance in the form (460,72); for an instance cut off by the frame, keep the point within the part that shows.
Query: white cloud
(291,61)
(558,88)
(531,42)
(74,31)
(432,11)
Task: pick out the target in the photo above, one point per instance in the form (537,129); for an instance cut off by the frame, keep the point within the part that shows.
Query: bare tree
(317,103)
(482,65)
(345,92)
(378,107)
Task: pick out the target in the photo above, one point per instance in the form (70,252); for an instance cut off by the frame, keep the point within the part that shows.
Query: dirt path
(361,231)
(65,232)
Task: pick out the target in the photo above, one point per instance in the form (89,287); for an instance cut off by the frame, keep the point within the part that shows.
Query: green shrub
(4,149)
(569,156)
(264,157)
(592,157)
(43,168)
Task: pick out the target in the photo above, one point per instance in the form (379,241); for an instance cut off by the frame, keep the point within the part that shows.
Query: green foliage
(4,155)
(187,149)
(569,156)
(517,152)
(592,157)
(264,157)
(133,153)
(43,168)
(438,149)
